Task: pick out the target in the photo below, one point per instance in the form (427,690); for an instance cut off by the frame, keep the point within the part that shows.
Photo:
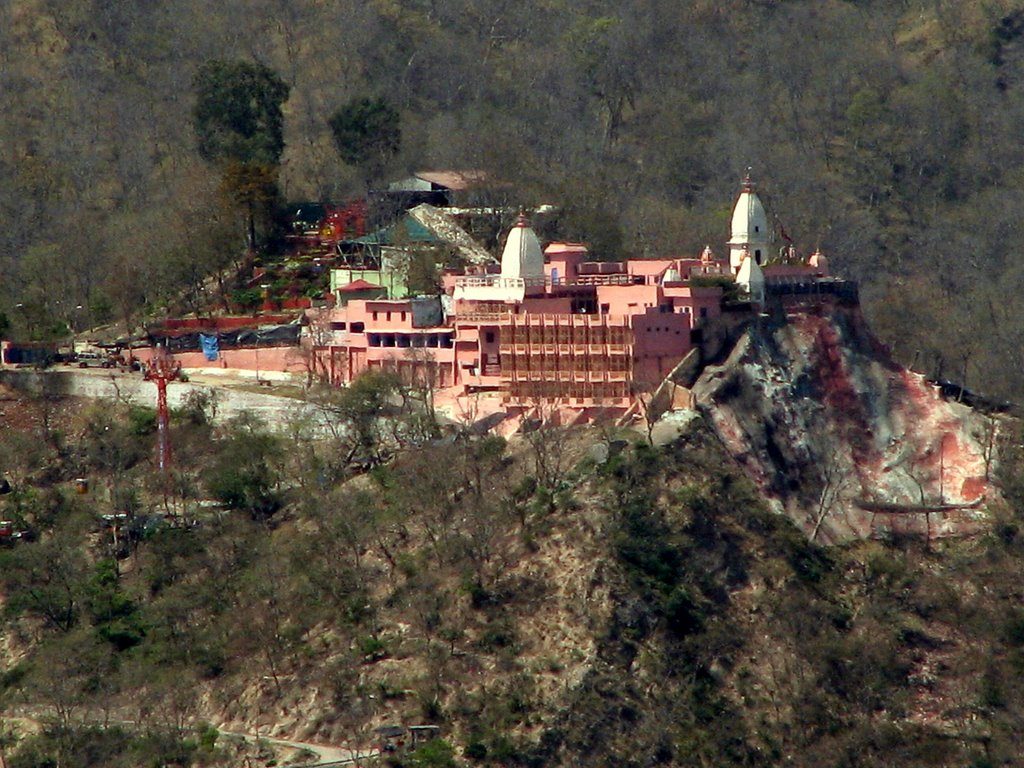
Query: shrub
(475,750)
(207,736)
(683,613)
(141,420)
(247,299)
(499,635)
(210,658)
(479,596)
(809,562)
(1014,629)
(245,474)
(114,615)
(435,754)
(372,648)
(199,407)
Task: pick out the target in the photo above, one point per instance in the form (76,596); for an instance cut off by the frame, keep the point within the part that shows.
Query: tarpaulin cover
(426,312)
(210,346)
(267,336)
(29,355)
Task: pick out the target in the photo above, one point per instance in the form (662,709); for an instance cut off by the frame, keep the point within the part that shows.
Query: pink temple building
(550,324)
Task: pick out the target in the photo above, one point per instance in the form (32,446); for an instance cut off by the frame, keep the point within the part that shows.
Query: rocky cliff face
(843,440)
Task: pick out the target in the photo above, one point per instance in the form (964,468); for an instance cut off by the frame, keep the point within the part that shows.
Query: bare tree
(834,483)
(644,400)
(988,436)
(318,336)
(547,439)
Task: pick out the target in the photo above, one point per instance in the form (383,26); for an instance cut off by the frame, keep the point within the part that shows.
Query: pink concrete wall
(649,269)
(395,354)
(555,305)
(602,267)
(282,359)
(382,315)
(628,299)
(661,333)
(564,258)
(340,365)
(697,298)
(660,341)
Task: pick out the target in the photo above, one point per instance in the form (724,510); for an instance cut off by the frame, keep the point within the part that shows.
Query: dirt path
(324,754)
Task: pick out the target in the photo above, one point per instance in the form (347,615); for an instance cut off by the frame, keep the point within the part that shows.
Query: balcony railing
(616,279)
(481,317)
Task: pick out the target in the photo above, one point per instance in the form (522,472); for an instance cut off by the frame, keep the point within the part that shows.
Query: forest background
(887,133)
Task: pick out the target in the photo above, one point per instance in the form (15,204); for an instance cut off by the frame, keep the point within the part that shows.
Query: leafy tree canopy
(237,114)
(367,133)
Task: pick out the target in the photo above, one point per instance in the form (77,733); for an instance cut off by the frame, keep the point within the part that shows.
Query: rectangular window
(358,327)
(703,311)
(374,316)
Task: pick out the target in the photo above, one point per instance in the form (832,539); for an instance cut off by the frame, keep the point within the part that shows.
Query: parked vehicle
(93,360)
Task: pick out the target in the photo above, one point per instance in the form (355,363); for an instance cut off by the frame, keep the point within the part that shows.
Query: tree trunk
(252,229)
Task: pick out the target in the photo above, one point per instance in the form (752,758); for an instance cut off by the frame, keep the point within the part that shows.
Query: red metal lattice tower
(160,370)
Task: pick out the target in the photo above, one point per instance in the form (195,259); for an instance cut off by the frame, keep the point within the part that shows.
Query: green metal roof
(406,230)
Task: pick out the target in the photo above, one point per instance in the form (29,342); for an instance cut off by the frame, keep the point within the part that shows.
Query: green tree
(367,133)
(246,472)
(358,413)
(113,613)
(238,112)
(44,580)
(240,127)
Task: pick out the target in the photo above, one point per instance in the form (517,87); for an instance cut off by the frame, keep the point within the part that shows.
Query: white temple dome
(522,257)
(749,227)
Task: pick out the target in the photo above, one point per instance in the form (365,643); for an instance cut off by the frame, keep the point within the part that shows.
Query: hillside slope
(641,609)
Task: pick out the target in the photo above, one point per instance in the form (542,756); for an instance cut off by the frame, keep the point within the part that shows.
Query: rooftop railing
(497,281)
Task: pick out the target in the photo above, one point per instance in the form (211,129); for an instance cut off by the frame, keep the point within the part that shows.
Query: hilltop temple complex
(550,324)
(542,324)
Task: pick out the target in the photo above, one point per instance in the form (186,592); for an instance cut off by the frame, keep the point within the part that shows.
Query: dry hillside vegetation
(646,608)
